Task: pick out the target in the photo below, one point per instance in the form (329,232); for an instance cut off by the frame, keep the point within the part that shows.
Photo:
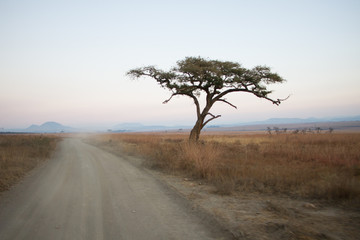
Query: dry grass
(21,153)
(321,166)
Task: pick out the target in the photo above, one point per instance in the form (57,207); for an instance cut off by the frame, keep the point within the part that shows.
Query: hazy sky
(66,61)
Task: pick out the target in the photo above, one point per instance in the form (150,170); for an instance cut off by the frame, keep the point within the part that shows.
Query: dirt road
(86,193)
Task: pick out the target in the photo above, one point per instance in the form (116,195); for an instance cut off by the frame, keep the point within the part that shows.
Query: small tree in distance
(194,76)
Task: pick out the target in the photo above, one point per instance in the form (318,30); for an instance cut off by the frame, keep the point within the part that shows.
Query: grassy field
(21,153)
(317,166)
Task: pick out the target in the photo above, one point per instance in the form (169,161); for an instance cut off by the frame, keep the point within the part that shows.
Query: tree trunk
(195,132)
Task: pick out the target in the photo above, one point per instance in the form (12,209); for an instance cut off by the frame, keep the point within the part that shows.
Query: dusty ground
(260,216)
(88,193)
(84,192)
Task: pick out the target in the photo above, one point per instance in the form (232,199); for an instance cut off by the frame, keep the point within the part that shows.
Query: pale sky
(65,61)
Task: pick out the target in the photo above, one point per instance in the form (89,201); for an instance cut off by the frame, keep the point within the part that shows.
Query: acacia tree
(194,76)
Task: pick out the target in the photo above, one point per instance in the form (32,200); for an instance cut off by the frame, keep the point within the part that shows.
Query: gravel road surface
(84,192)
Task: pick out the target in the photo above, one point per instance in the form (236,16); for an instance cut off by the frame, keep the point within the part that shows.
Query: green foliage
(195,74)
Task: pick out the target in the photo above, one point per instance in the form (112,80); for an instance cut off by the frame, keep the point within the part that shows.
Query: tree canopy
(195,75)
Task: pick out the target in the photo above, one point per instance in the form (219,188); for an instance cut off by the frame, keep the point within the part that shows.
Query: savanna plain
(257,185)
(20,153)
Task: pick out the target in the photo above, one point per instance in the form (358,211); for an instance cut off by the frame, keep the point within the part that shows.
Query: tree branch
(212,115)
(258,94)
(168,100)
(197,104)
(210,119)
(218,97)
(276,102)
(224,100)
(284,99)
(196,101)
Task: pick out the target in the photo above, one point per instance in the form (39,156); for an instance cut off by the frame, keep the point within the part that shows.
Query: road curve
(86,193)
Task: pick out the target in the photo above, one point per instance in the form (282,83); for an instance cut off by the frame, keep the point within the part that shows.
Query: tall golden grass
(321,166)
(20,153)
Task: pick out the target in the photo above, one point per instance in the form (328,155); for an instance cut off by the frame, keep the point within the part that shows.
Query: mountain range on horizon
(54,127)
(298,120)
(140,127)
(49,127)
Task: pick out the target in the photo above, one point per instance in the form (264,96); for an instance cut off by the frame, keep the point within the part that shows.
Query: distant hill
(138,127)
(290,123)
(48,127)
(348,126)
(295,120)
(344,123)
(128,127)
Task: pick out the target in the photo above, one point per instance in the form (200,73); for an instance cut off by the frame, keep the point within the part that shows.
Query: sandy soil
(261,216)
(87,193)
